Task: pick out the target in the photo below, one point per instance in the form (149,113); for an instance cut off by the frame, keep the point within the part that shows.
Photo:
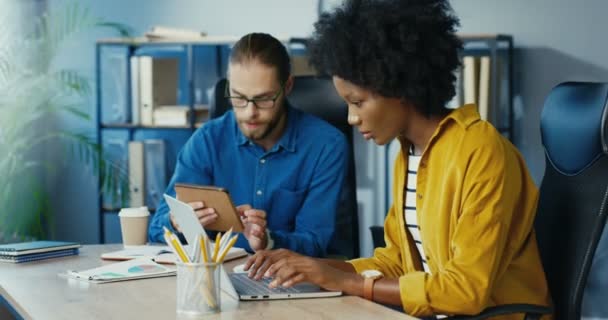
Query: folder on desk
(141,268)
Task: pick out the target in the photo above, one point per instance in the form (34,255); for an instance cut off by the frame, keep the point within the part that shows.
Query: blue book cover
(39,256)
(115,152)
(114,84)
(155,171)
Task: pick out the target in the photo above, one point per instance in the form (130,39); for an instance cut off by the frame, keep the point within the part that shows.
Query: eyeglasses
(260,103)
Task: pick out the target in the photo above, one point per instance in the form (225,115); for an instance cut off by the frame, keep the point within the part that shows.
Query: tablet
(213,197)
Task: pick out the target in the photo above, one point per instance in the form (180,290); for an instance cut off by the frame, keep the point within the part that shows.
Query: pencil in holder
(198,289)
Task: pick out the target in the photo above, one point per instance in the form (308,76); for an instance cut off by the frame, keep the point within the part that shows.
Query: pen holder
(198,289)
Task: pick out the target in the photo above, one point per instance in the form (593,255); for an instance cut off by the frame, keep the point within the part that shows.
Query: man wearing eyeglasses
(284,168)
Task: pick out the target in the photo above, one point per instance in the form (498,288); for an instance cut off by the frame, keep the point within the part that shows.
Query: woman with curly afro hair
(459,235)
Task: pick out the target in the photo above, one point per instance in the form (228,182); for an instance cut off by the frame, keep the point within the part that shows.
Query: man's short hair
(265,49)
(403,49)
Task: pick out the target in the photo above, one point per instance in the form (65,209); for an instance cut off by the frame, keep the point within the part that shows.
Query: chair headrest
(573,125)
(318,96)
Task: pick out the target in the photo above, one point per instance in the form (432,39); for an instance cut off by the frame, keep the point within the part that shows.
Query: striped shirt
(411,221)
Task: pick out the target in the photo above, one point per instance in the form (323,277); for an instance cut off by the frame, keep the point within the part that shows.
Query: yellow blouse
(475,207)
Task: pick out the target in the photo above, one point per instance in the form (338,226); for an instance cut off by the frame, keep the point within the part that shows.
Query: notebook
(23,248)
(161,254)
(38,256)
(140,268)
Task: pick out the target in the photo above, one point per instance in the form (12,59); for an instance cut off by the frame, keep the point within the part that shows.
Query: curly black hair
(403,49)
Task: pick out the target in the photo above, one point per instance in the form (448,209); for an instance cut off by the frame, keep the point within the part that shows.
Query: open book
(161,254)
(141,268)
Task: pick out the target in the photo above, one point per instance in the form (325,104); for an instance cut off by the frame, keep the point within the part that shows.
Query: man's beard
(270,127)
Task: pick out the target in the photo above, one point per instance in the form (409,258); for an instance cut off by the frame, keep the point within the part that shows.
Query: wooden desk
(36,291)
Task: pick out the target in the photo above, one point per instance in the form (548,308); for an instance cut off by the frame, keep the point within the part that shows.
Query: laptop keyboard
(245,285)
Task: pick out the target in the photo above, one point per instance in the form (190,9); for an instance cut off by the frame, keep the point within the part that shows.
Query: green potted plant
(32,91)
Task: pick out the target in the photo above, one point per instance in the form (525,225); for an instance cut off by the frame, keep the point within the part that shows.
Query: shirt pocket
(285,206)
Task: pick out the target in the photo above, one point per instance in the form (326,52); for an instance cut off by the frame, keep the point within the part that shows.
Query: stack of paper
(37,250)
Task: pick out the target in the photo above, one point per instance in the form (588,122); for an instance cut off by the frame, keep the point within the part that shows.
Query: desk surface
(36,291)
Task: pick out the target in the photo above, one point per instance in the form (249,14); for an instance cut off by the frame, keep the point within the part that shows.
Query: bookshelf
(197,65)
(200,63)
(498,49)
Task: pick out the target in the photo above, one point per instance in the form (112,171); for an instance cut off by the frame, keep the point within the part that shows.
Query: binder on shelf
(502,109)
(136,173)
(470,79)
(146,89)
(484,88)
(135,91)
(156,172)
(113,94)
(115,152)
(158,85)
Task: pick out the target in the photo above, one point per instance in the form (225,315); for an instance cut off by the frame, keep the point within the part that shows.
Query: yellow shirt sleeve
(387,259)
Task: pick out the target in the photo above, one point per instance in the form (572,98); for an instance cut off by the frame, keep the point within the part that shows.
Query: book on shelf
(180,115)
(160,32)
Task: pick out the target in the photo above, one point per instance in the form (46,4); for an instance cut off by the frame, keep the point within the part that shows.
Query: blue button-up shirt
(297,182)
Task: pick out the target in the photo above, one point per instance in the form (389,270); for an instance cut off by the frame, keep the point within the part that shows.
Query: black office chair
(317,96)
(574,192)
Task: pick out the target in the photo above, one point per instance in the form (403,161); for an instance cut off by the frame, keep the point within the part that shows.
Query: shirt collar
(464,116)
(287,140)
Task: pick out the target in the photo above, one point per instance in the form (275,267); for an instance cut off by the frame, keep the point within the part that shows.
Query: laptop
(238,285)
(250,289)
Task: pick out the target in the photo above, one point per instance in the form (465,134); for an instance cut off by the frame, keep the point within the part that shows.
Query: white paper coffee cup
(134,226)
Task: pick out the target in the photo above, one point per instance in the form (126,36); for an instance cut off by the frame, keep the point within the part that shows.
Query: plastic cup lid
(134,212)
